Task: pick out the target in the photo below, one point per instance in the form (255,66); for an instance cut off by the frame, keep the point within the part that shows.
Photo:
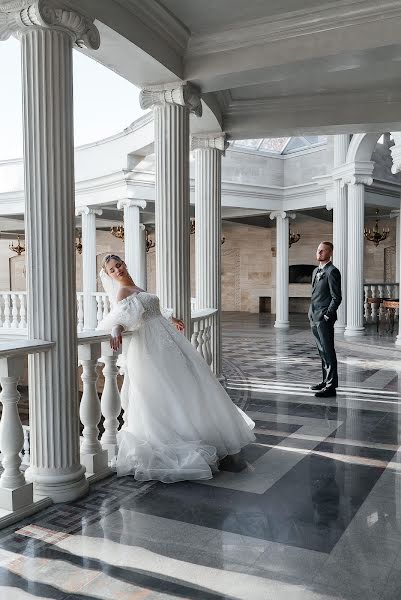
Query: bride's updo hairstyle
(109,257)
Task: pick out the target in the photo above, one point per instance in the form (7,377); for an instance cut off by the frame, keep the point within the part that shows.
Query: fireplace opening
(301,273)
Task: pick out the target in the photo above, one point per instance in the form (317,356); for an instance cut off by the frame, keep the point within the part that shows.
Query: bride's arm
(116,337)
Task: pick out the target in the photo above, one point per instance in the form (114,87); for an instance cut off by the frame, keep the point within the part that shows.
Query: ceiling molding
(304,22)
(160,21)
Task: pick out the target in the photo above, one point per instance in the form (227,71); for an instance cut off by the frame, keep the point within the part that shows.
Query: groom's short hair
(329,244)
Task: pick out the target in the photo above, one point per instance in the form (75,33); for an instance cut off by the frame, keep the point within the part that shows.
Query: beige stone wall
(248,262)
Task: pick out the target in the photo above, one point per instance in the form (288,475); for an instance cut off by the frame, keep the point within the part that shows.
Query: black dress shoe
(326,393)
(318,386)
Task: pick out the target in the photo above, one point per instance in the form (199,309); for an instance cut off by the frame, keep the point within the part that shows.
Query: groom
(325,300)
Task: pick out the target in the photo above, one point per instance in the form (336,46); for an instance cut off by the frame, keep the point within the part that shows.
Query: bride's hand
(116,338)
(179,325)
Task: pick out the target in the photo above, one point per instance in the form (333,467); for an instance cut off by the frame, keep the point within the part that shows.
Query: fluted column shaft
(172,210)
(171,107)
(356,213)
(208,234)
(89,275)
(398,277)
(132,237)
(340,233)
(282,276)
(49,212)
(142,260)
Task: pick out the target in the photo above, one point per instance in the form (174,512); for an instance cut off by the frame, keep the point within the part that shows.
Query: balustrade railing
(378,291)
(13,310)
(94,353)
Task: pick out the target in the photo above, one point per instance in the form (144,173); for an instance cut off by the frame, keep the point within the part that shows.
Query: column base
(282,324)
(59,486)
(339,328)
(354,331)
(222,379)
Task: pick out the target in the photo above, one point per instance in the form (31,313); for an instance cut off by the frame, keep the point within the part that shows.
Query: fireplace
(301,273)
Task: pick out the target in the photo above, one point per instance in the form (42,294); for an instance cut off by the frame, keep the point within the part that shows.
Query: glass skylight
(282,145)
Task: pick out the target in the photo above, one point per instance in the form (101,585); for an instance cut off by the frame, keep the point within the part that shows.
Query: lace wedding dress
(178,420)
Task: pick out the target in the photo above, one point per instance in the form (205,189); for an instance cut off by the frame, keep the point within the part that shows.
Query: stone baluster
(93,457)
(172,105)
(110,401)
(356,211)
(15,493)
(366,304)
(22,300)
(80,311)
(7,311)
(14,311)
(99,313)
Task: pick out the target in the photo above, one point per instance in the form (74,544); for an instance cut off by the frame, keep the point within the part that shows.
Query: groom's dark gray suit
(325,300)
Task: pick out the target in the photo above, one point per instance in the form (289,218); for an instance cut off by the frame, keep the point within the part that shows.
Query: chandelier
(374,235)
(294,237)
(18,248)
(149,243)
(78,243)
(118,231)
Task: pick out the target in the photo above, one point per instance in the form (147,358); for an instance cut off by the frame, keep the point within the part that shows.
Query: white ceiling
(267,68)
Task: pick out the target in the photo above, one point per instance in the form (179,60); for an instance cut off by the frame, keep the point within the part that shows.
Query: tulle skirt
(179,421)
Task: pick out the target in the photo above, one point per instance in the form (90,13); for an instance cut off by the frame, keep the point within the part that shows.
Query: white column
(132,237)
(47,34)
(340,233)
(208,150)
(396,168)
(142,251)
(172,105)
(89,274)
(356,214)
(282,286)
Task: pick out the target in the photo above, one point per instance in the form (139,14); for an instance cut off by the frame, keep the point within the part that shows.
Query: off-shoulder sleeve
(167,313)
(127,313)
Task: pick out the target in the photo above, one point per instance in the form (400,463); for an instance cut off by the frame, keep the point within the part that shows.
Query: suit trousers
(323,332)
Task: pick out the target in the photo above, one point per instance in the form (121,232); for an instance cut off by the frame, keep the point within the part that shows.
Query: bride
(179,421)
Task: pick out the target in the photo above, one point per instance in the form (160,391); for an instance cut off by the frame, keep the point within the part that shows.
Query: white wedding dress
(178,420)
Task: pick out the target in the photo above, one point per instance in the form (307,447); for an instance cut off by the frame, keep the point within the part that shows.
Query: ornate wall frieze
(210,141)
(180,94)
(18,17)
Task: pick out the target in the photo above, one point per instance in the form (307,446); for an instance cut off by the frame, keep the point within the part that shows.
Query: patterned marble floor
(311,511)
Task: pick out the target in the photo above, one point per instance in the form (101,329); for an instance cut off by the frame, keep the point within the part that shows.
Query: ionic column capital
(357,179)
(130,202)
(20,16)
(281,214)
(87,210)
(179,93)
(210,141)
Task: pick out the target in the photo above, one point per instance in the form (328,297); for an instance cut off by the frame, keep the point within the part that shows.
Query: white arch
(362,146)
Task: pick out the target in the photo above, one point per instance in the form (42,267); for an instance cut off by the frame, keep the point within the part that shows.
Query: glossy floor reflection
(311,511)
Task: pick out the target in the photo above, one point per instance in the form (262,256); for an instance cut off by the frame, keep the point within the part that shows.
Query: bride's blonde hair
(109,257)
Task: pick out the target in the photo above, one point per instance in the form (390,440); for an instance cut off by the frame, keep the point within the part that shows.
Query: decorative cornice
(179,93)
(209,141)
(19,17)
(130,202)
(327,16)
(87,210)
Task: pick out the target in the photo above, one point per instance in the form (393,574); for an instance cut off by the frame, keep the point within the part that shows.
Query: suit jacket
(326,294)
